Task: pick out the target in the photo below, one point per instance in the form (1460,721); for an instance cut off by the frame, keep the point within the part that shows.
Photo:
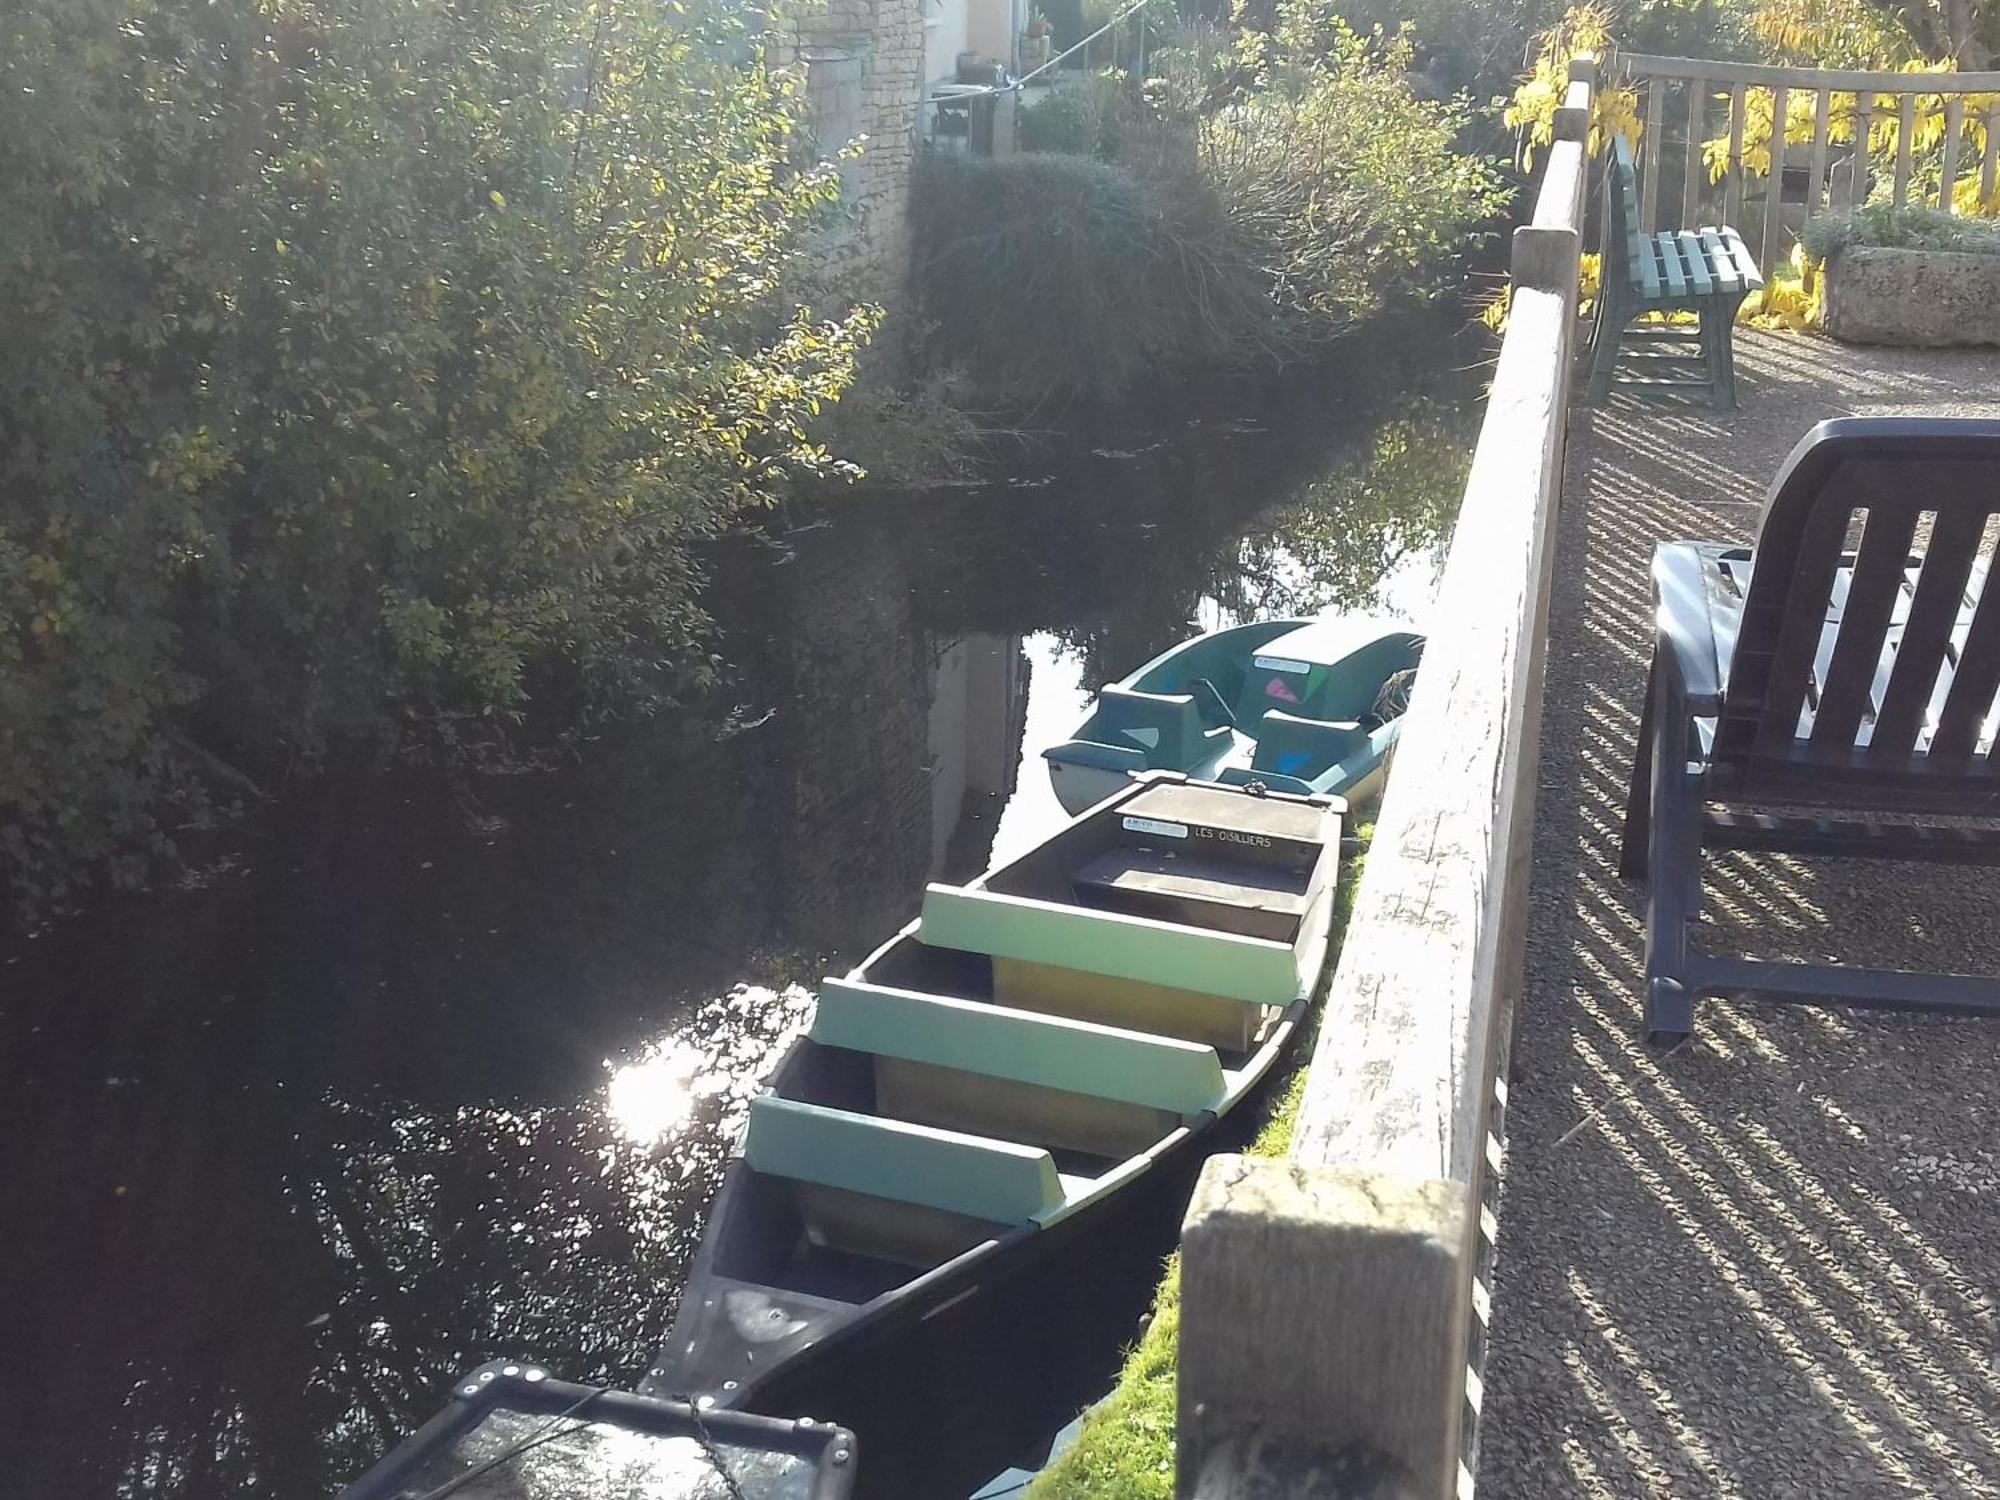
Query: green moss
(1125,1450)
(1910,227)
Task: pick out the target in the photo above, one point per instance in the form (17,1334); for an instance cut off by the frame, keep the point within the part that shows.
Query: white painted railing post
(1327,1299)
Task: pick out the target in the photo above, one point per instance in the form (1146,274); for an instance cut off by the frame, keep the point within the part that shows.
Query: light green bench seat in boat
(1104,1062)
(996,1181)
(1254,971)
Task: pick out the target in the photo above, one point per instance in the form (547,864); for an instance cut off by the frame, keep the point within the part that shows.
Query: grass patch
(1125,1450)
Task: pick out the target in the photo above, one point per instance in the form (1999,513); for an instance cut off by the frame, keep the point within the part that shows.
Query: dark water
(419,1076)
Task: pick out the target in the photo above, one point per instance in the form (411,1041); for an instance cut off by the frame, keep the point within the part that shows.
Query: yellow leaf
(499,198)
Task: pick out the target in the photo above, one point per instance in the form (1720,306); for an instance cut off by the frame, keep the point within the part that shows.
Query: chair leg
(1675,867)
(1636,839)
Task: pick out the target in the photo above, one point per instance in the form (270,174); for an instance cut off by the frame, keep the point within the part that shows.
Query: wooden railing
(1850,104)
(1331,1310)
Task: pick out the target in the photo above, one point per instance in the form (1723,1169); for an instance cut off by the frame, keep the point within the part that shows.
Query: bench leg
(1722,368)
(1611,320)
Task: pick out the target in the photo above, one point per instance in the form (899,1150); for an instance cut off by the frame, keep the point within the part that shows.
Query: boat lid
(1324,642)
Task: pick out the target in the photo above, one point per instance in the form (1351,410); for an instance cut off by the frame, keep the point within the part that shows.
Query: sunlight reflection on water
(725,1050)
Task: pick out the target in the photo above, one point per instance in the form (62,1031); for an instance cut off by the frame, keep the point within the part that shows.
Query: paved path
(1766,1264)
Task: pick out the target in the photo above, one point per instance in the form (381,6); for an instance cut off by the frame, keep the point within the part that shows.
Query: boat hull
(1174,713)
(972,1377)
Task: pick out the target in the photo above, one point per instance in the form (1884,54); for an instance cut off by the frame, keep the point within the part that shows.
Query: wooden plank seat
(1119,970)
(1706,271)
(1813,697)
(1017,1074)
(999,1181)
(1054,1052)
(1228,896)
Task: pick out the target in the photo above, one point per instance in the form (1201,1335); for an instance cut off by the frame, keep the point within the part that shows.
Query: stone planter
(1926,298)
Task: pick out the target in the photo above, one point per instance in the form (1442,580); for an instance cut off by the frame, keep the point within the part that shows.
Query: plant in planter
(1908,276)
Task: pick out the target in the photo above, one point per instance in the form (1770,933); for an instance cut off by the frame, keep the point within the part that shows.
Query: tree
(375,368)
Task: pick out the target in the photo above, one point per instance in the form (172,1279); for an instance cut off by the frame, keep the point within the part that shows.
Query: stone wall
(1924,298)
(863,63)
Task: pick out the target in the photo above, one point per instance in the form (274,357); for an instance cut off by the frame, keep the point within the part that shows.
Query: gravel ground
(1767,1263)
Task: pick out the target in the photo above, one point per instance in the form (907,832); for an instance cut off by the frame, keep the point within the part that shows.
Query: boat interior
(1296,702)
(953,1091)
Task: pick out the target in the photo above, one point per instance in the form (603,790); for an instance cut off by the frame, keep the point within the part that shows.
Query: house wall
(863,63)
(991,28)
(947,32)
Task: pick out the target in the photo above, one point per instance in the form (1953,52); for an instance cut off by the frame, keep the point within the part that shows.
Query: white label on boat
(1281,664)
(1154,825)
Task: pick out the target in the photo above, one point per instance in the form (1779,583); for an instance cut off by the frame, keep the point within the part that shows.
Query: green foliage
(373,368)
(1908,228)
(1332,547)
(1044,270)
(1279,189)
(1094,116)
(1352,187)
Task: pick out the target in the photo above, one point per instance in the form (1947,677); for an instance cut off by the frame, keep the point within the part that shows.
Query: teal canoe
(984,1085)
(1302,706)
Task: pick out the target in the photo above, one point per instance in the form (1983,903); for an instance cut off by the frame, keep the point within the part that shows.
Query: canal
(420,1074)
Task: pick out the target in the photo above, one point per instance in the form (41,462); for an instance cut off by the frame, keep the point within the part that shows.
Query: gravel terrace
(1767,1263)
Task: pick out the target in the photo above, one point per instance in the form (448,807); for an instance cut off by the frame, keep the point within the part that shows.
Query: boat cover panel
(1105,1062)
(998,1181)
(1253,970)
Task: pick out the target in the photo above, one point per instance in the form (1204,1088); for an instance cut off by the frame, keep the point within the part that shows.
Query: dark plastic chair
(1812,699)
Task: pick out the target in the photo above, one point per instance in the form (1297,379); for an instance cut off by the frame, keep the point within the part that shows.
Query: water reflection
(437,1076)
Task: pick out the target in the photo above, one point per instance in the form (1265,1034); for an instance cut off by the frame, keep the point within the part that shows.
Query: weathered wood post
(1327,1299)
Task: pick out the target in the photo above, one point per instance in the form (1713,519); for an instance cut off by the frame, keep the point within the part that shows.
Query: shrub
(1352,188)
(1907,228)
(1044,270)
(373,369)
(1282,189)
(1092,117)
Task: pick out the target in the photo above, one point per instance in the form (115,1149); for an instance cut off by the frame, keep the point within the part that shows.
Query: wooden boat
(982,1086)
(1306,706)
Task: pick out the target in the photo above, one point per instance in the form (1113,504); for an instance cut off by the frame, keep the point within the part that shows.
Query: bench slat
(1699,275)
(1722,265)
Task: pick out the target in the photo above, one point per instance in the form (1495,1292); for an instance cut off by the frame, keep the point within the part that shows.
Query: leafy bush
(1906,228)
(1045,270)
(373,367)
(1283,188)
(1352,188)
(1092,117)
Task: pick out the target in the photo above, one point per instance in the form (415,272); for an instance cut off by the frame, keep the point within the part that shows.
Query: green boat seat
(1255,971)
(995,1181)
(1165,728)
(1305,748)
(1105,1062)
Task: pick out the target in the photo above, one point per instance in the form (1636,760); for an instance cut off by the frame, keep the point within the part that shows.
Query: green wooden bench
(1707,272)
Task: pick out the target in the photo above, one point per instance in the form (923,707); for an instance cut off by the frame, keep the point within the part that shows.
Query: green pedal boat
(1299,705)
(986,1084)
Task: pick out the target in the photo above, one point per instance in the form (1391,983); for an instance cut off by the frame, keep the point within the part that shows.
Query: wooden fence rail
(1808,177)
(1330,1317)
